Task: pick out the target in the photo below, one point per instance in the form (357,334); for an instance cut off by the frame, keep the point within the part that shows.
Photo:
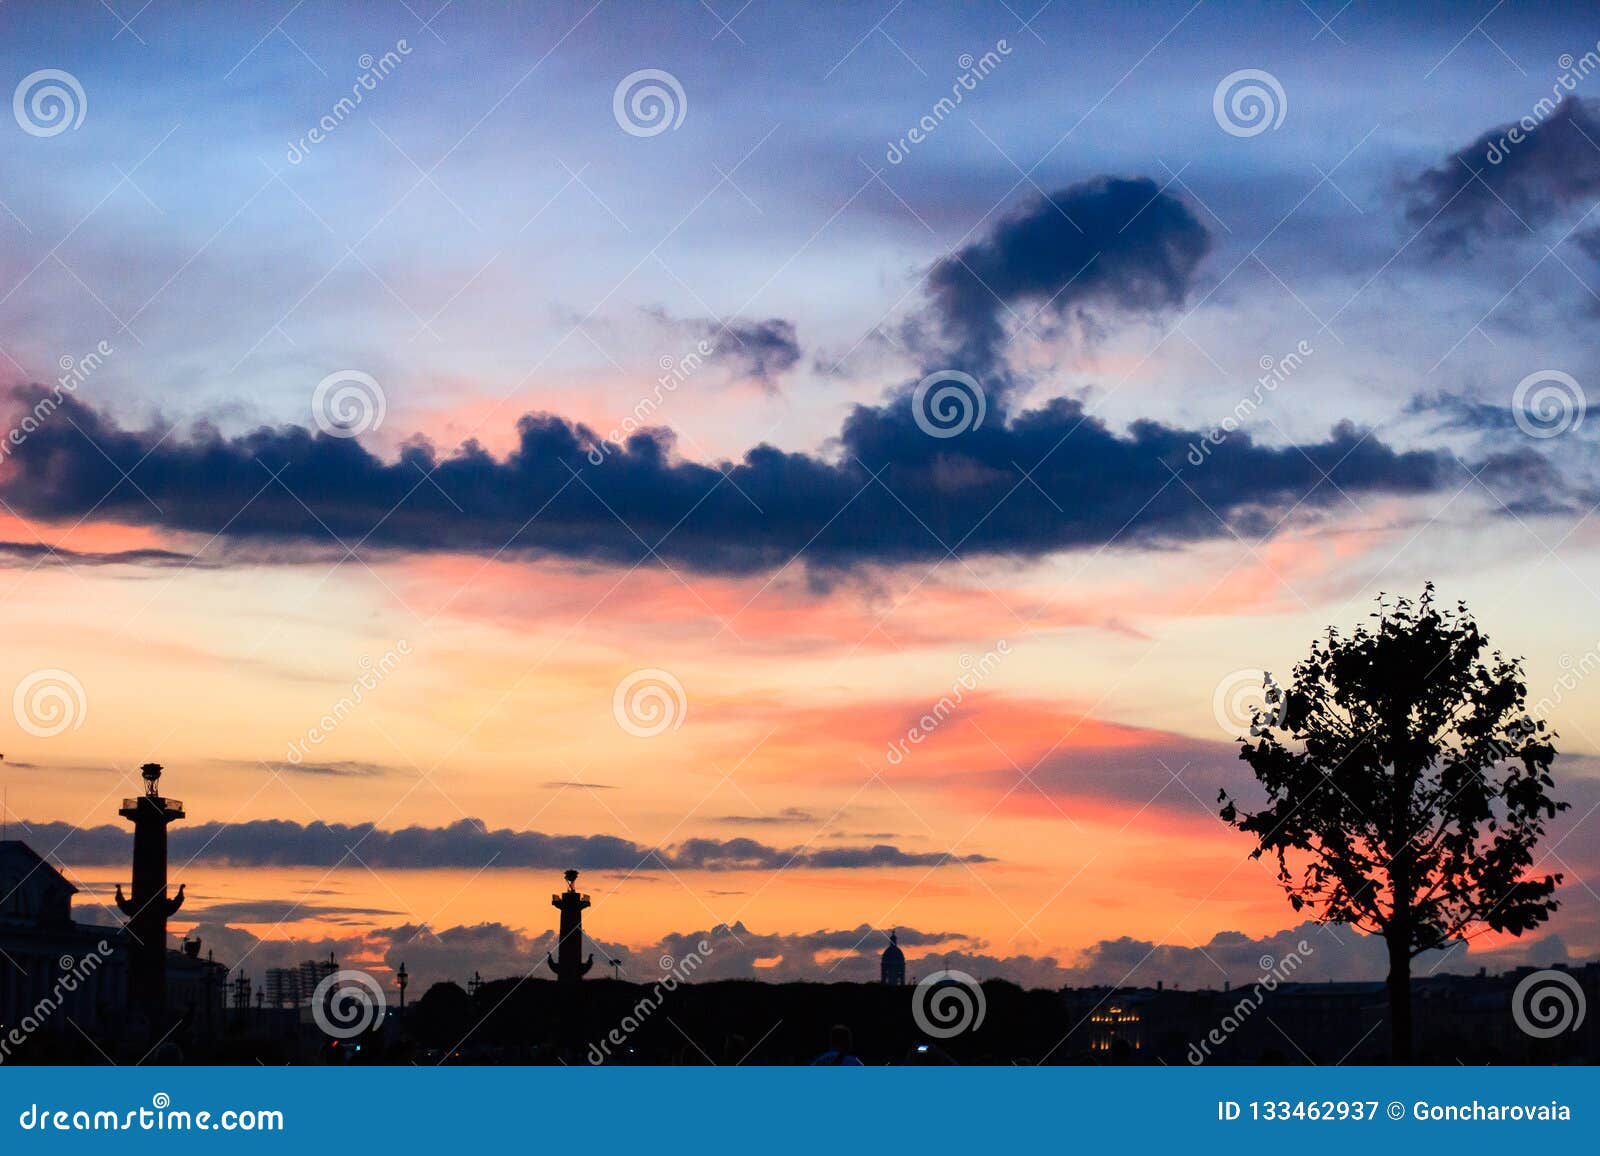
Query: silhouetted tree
(1406,787)
(442,1016)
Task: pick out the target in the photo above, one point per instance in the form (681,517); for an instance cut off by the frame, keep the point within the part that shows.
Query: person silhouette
(839,1054)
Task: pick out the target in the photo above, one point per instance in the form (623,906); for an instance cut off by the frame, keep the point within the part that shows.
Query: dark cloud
(1447,410)
(1111,243)
(1527,484)
(761,351)
(749,855)
(863,835)
(344,769)
(281,911)
(468,843)
(558,784)
(887,492)
(1516,177)
(31,554)
(779,818)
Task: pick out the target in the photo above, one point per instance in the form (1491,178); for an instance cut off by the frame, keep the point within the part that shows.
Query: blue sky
(466,277)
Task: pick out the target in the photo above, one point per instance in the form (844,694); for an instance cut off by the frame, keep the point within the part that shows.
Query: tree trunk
(1399,1002)
(1397,931)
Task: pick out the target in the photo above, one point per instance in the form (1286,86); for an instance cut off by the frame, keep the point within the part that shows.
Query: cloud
(1515,177)
(749,855)
(468,843)
(31,554)
(1450,410)
(1336,953)
(281,911)
(779,818)
(499,951)
(334,769)
(1330,952)
(1525,481)
(887,492)
(343,769)
(236,947)
(1111,243)
(761,351)
(492,949)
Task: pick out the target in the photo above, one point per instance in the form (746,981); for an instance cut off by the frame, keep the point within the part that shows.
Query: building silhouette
(38,935)
(69,982)
(892,969)
(196,989)
(293,987)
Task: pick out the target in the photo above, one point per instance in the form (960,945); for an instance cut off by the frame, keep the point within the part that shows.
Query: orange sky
(1083,764)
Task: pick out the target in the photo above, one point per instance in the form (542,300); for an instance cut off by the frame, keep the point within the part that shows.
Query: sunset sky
(497,259)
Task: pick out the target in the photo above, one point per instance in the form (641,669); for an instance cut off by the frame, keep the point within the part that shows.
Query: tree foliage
(1406,784)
